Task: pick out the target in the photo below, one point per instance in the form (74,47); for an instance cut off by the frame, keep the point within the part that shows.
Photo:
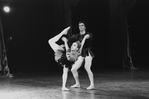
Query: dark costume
(85,51)
(87,46)
(63,59)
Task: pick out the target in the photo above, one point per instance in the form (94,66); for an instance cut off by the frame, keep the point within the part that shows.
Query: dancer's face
(82,27)
(74,46)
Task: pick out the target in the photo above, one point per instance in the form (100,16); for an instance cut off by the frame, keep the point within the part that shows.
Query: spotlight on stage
(6,9)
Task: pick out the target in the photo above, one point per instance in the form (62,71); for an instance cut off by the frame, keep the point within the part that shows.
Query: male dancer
(86,55)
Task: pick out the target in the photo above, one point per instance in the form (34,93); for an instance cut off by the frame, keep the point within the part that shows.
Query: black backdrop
(32,22)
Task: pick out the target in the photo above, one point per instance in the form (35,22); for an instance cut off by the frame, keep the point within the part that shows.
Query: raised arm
(52,41)
(65,43)
(83,42)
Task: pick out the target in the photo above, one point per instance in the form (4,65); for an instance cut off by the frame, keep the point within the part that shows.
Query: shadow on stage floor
(110,84)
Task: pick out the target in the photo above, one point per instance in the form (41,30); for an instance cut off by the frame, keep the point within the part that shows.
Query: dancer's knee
(73,70)
(65,70)
(88,70)
(87,66)
(77,65)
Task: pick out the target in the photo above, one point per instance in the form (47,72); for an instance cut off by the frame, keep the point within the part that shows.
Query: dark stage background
(32,22)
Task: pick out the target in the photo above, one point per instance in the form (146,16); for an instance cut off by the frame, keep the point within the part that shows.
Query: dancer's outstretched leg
(52,41)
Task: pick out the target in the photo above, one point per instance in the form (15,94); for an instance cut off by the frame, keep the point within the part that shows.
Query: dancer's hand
(87,36)
(64,39)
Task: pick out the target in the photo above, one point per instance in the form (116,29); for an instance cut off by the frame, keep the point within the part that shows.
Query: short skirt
(64,62)
(85,52)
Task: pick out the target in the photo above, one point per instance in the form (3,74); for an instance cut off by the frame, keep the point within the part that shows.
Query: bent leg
(52,41)
(64,78)
(74,71)
(88,64)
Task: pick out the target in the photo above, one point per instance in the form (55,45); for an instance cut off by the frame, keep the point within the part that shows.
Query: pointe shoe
(66,30)
(90,87)
(65,89)
(75,86)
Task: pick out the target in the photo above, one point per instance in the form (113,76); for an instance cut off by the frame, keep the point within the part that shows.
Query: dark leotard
(62,60)
(87,46)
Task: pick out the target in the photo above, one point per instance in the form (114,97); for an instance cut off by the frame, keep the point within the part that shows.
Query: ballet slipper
(90,87)
(76,86)
(65,89)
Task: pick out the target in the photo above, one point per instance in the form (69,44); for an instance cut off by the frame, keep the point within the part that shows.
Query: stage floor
(110,84)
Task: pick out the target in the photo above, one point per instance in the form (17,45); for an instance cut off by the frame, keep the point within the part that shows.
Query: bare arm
(65,43)
(83,42)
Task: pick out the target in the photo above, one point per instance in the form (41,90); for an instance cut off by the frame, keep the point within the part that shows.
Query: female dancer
(60,55)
